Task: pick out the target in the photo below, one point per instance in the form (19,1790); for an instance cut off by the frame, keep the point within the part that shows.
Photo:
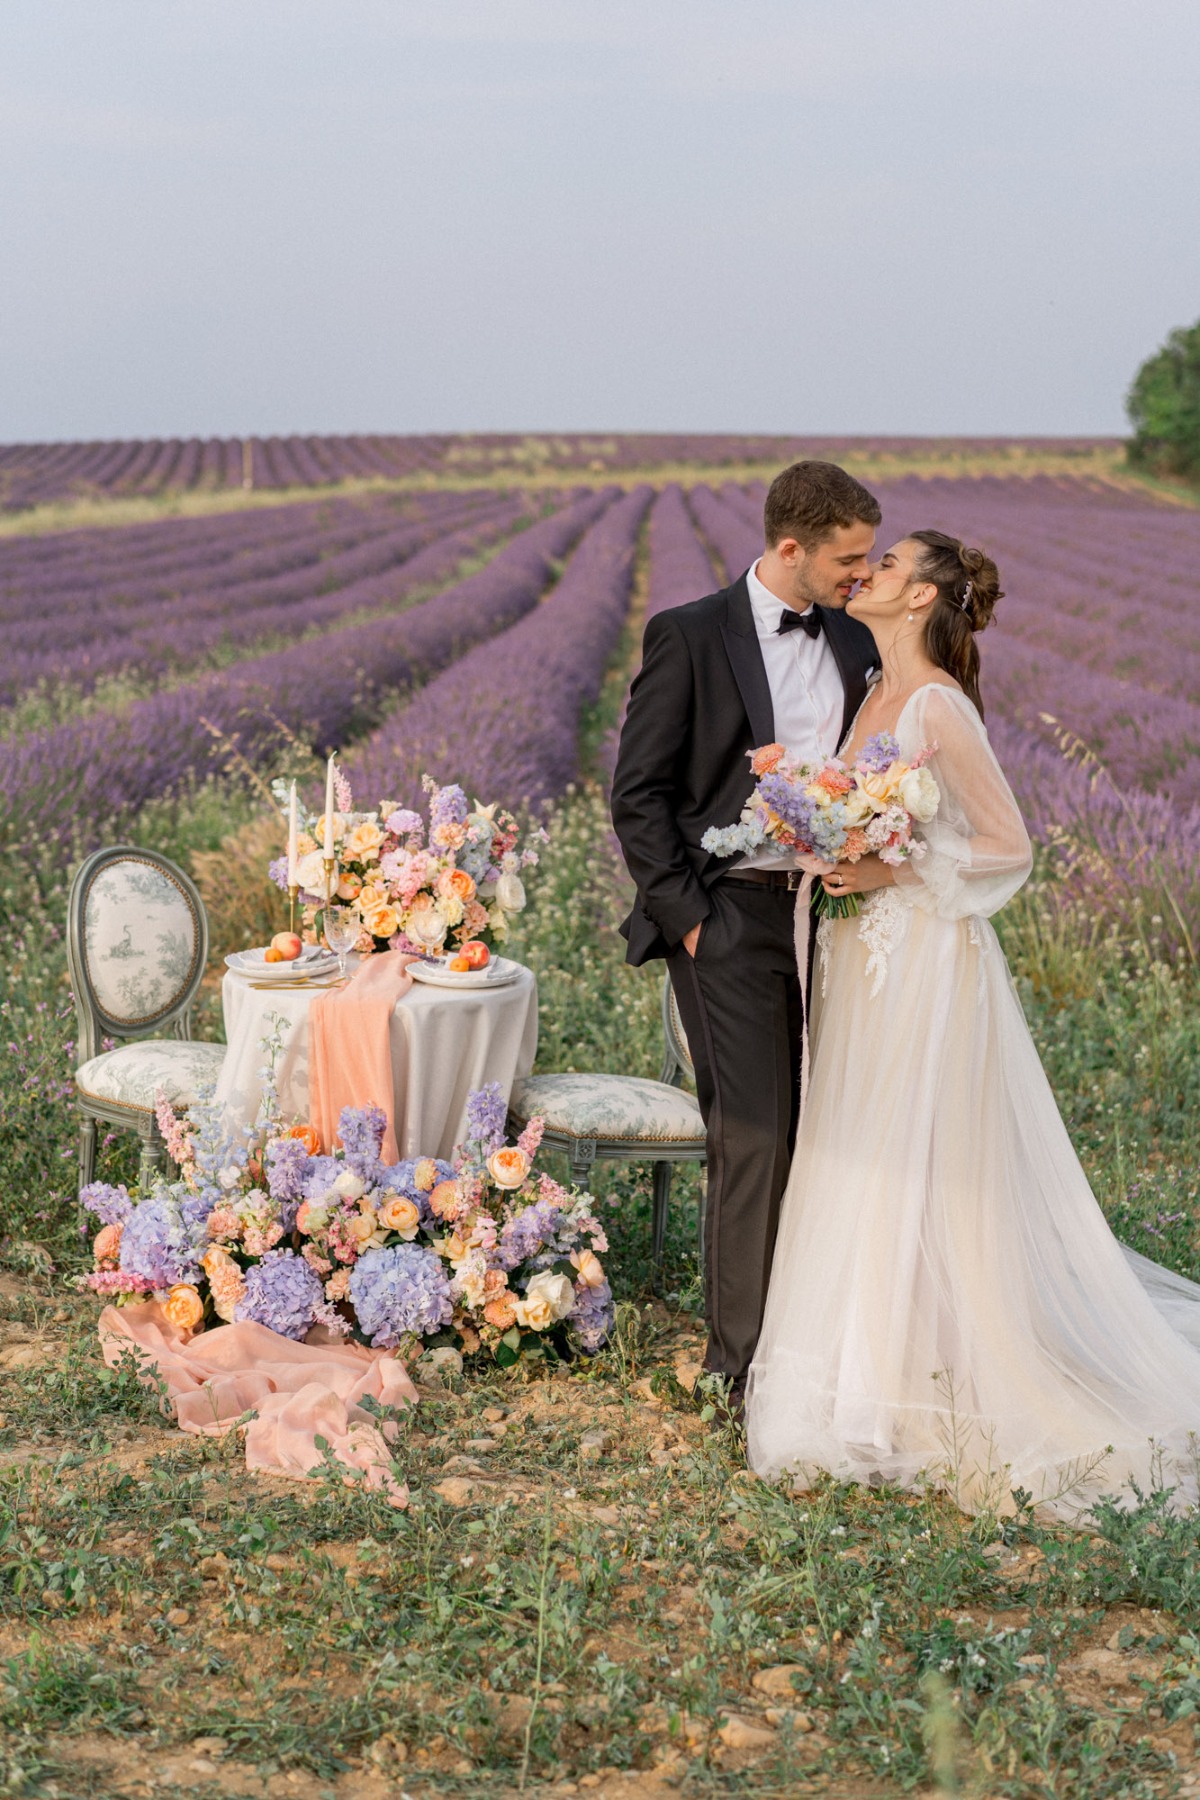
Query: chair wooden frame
(664,1153)
(95,1024)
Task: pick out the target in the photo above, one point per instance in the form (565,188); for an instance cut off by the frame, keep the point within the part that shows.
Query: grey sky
(965,216)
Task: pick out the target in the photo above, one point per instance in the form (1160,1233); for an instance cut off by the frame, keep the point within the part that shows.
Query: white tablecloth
(444,1043)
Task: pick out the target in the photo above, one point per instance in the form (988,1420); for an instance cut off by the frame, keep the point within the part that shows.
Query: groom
(771,658)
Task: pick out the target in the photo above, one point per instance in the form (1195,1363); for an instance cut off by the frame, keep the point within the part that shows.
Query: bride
(947,1304)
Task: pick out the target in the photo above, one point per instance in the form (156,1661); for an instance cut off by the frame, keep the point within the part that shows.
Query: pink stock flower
(531,1138)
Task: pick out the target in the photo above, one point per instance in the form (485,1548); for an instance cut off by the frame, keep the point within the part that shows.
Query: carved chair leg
(87,1151)
(581,1175)
(662,1202)
(153,1156)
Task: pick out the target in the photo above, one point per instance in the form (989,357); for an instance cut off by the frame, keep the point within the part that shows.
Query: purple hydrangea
(403,822)
(157,1243)
(111,1205)
(361,1130)
(879,752)
(526,1232)
(400,1290)
(287,1169)
(591,1317)
(487,1116)
(283,1294)
(319,1175)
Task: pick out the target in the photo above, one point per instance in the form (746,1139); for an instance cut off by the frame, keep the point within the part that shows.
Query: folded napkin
(293,1392)
(349,1053)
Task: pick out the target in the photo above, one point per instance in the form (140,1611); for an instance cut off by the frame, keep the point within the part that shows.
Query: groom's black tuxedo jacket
(699,704)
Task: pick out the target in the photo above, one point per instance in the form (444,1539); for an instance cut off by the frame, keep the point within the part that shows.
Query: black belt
(788,879)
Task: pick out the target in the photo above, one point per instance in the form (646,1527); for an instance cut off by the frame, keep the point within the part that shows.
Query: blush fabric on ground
(297,1392)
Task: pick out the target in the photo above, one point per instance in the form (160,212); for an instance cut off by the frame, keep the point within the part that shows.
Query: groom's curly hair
(809,500)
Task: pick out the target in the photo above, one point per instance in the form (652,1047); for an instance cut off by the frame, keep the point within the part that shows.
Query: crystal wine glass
(342,927)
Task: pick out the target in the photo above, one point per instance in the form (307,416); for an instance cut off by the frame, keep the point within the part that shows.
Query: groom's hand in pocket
(692,938)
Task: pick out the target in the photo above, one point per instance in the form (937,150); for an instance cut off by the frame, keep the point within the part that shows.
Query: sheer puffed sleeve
(977,849)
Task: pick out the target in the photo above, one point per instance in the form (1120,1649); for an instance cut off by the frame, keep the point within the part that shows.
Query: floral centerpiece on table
(415,884)
(483,1254)
(830,812)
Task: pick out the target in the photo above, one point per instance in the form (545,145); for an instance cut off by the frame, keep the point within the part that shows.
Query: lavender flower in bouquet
(398,1292)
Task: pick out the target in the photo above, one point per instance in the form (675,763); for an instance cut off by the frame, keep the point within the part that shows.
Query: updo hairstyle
(968,587)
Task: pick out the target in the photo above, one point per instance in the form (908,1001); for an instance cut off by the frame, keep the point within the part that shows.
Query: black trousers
(740,1001)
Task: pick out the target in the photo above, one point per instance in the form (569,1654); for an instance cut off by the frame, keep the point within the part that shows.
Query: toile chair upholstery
(621,1118)
(137,945)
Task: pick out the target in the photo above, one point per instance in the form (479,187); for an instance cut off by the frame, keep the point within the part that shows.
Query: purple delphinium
(524,1235)
(283,1294)
(400,1290)
(879,752)
(319,1175)
(157,1244)
(287,1167)
(361,1130)
(111,1205)
(591,1317)
(487,1115)
(447,806)
(277,872)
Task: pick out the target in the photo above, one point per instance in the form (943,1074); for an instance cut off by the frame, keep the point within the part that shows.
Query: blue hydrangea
(111,1205)
(158,1244)
(282,1293)
(733,840)
(591,1317)
(398,1291)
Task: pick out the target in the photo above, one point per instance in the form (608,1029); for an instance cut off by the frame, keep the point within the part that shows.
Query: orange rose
(501,1312)
(108,1243)
(350,886)
(460,883)
(767,759)
(399,1213)
(184,1307)
(308,1135)
(508,1167)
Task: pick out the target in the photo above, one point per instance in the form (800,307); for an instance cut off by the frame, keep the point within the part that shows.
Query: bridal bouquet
(830,812)
(415,883)
(483,1254)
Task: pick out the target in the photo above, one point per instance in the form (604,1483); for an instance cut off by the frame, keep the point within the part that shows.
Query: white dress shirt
(806,695)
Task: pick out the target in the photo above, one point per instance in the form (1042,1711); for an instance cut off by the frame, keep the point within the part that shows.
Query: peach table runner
(350,1058)
(296,1392)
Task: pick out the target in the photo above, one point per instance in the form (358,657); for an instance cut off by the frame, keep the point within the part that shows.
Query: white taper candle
(293,838)
(329,812)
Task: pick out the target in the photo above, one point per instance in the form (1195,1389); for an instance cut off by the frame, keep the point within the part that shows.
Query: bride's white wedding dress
(947,1303)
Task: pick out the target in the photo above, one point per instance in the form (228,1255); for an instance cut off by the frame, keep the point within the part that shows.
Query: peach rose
(399,1213)
(457,881)
(363,842)
(766,760)
(508,1166)
(308,1135)
(453,1248)
(382,921)
(350,886)
(591,1269)
(108,1243)
(547,1298)
(501,1312)
(494,1283)
(444,1199)
(535,1313)
(184,1307)
(877,788)
(361,1226)
(425,1174)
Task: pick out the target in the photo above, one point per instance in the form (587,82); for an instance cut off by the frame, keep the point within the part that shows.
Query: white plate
(498,973)
(312,960)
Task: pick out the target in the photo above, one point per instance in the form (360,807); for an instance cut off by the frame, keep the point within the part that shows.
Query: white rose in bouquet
(510,893)
(310,873)
(919,792)
(858,808)
(548,1298)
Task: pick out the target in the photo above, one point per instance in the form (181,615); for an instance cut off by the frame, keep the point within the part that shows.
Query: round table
(444,1042)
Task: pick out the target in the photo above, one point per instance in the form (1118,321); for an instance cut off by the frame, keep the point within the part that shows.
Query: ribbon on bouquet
(813,866)
(350,1052)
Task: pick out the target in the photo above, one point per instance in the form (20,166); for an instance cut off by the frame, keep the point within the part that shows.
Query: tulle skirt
(947,1303)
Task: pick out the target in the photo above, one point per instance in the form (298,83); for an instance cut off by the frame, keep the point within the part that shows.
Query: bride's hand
(860,877)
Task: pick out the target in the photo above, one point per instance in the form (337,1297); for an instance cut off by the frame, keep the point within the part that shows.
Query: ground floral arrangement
(484,1256)
(414,884)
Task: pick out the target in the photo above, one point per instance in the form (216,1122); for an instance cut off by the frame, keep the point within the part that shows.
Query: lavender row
(505,719)
(31,474)
(75,780)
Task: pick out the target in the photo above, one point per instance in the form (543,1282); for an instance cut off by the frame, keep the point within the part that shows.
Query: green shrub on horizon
(1164,407)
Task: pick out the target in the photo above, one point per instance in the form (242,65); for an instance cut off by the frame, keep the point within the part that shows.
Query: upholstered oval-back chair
(137,944)
(621,1118)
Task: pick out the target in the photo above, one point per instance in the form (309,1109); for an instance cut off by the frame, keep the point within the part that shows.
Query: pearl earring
(910,618)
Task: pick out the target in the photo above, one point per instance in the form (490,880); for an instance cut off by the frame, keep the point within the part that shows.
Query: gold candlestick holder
(330,864)
(293,896)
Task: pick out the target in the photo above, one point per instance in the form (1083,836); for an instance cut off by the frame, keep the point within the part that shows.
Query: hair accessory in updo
(965,598)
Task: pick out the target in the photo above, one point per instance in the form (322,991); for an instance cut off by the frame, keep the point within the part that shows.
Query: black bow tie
(809,621)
